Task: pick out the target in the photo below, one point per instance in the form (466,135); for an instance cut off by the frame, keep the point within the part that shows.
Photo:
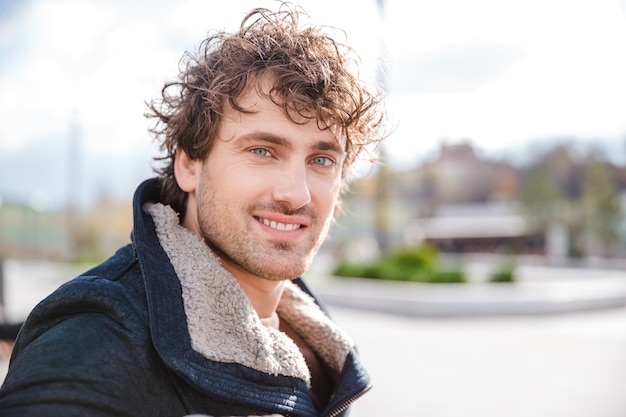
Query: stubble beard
(272,260)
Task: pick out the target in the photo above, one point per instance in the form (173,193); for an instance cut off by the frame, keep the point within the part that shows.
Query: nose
(291,186)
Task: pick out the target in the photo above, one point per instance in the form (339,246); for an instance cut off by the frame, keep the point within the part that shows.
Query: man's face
(267,191)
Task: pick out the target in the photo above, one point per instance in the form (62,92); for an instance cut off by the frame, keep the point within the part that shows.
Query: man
(203,313)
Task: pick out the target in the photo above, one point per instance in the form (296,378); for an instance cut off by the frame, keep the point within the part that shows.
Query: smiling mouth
(287,227)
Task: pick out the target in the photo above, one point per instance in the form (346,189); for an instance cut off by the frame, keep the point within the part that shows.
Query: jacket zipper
(344,406)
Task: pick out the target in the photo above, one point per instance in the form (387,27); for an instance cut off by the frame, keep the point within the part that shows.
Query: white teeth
(279,226)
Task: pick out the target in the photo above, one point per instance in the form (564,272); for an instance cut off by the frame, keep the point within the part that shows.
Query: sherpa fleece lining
(223,325)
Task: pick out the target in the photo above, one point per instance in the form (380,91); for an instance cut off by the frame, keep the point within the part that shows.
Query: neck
(264,294)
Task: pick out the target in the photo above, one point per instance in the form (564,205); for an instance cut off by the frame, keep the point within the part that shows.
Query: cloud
(98,61)
(497,72)
(454,68)
(49,166)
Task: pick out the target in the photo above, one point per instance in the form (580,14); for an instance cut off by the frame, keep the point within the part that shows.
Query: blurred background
(511,110)
(487,250)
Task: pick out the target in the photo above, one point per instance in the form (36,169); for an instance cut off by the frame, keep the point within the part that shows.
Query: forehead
(264,109)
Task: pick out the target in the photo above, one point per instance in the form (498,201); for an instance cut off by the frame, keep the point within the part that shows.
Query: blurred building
(31,232)
(462,202)
(490,227)
(26,232)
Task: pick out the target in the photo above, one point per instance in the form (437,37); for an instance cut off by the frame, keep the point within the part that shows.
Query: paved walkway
(562,365)
(553,344)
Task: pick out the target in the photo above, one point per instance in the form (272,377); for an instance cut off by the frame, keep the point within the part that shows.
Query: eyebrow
(328,146)
(280,141)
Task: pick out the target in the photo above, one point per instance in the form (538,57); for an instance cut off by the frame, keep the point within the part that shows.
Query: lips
(287,227)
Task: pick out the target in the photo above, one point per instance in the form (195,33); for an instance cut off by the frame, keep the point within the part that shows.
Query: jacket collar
(212,303)
(225,375)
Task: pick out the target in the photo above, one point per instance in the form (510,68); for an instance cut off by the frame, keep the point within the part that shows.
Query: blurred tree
(382,203)
(544,195)
(576,193)
(601,208)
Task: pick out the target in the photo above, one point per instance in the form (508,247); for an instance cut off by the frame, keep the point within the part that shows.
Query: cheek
(325,195)
(231,184)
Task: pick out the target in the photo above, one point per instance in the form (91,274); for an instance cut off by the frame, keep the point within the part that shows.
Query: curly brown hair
(313,75)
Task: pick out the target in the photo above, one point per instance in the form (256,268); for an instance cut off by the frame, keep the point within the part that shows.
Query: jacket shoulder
(113,289)
(91,331)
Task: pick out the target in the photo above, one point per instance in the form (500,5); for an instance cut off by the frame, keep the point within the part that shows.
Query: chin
(293,270)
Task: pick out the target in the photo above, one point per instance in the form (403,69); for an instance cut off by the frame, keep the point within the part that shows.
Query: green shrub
(504,273)
(407,264)
(349,269)
(451,276)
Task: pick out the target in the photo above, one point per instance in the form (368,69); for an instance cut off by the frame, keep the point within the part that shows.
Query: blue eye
(261,152)
(323,161)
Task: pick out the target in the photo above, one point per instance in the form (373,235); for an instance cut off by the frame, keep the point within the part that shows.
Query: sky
(501,75)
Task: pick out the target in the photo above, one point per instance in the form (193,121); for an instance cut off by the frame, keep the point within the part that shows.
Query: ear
(186,171)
